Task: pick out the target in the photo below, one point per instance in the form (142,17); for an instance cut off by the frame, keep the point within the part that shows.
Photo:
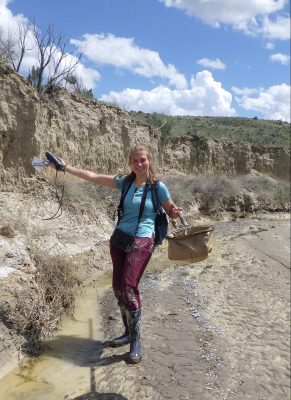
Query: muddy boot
(134,356)
(124,339)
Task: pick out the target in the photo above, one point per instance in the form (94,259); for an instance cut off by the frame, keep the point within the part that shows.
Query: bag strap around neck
(142,204)
(124,192)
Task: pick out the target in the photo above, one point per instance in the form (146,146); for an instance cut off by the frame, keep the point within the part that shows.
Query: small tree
(33,76)
(55,61)
(78,87)
(6,46)
(20,43)
(14,47)
(53,57)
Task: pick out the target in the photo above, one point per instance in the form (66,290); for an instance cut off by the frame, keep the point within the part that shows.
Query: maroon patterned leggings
(128,270)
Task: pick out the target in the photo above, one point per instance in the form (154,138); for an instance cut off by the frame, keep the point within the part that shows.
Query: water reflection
(80,351)
(84,352)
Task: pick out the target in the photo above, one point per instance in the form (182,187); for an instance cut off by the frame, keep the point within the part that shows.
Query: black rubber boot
(134,356)
(123,339)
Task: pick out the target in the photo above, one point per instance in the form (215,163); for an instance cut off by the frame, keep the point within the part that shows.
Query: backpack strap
(155,196)
(142,204)
(124,191)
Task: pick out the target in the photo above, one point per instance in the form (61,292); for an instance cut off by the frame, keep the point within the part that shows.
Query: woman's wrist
(171,211)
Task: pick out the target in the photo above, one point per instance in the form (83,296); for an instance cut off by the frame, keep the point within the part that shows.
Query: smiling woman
(133,239)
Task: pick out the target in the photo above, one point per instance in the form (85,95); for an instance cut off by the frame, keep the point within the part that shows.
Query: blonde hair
(152,174)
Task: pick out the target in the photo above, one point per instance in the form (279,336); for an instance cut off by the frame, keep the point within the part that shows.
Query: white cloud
(277,29)
(88,76)
(215,64)
(280,58)
(124,53)
(273,103)
(270,45)
(8,22)
(206,97)
(250,16)
(4,3)
(244,91)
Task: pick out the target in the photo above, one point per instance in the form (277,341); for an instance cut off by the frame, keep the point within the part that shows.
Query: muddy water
(67,370)
(64,370)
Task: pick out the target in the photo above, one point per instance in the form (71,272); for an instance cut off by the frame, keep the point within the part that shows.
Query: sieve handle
(182,219)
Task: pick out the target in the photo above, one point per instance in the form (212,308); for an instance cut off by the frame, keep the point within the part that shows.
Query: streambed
(217,329)
(64,368)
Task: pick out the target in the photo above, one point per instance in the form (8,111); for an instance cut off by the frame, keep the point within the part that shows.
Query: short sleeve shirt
(131,208)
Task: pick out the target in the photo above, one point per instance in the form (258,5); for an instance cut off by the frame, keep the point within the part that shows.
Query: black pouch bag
(161,221)
(122,240)
(161,227)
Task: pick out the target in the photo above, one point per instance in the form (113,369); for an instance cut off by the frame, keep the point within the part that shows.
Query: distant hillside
(245,130)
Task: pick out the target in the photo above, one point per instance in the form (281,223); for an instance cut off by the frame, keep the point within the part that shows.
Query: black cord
(59,198)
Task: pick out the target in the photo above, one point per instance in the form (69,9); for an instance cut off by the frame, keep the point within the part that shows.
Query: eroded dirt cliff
(93,135)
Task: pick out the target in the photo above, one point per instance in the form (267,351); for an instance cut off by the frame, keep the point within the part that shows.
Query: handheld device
(54,159)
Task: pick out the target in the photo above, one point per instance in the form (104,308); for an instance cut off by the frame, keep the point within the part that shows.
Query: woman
(128,268)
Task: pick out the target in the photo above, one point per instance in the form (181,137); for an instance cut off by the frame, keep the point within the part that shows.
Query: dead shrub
(208,191)
(212,190)
(37,311)
(215,193)
(7,231)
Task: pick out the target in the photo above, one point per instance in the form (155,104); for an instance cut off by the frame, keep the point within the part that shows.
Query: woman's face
(140,163)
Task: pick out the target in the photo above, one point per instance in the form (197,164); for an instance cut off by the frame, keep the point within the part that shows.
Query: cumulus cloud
(124,53)
(273,103)
(250,16)
(205,97)
(8,22)
(280,58)
(244,91)
(4,2)
(214,64)
(276,29)
(269,45)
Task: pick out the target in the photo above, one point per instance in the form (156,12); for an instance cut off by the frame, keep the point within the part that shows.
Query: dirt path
(218,329)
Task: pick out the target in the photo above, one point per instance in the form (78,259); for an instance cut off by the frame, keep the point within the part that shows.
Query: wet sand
(217,329)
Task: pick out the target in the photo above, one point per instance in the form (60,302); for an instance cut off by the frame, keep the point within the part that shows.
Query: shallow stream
(67,368)
(64,368)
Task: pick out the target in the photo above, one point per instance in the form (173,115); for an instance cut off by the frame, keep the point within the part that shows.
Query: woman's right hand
(61,160)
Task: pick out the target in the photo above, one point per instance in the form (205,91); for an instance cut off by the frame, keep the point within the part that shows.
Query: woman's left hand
(175,212)
(171,209)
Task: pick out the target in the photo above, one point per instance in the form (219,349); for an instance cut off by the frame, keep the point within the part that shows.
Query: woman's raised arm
(100,179)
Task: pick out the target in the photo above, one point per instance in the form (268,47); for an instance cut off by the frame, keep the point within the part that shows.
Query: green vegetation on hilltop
(234,129)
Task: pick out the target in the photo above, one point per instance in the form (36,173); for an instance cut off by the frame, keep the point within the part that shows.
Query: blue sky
(178,57)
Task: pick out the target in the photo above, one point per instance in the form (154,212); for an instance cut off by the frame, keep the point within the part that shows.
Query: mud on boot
(134,356)
(123,339)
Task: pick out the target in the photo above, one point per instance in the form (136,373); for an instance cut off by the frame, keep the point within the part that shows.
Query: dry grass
(37,310)
(216,193)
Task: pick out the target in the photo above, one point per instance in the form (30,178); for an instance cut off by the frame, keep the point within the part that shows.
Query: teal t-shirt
(131,208)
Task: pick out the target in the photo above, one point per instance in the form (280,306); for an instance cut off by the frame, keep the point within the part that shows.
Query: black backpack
(161,221)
